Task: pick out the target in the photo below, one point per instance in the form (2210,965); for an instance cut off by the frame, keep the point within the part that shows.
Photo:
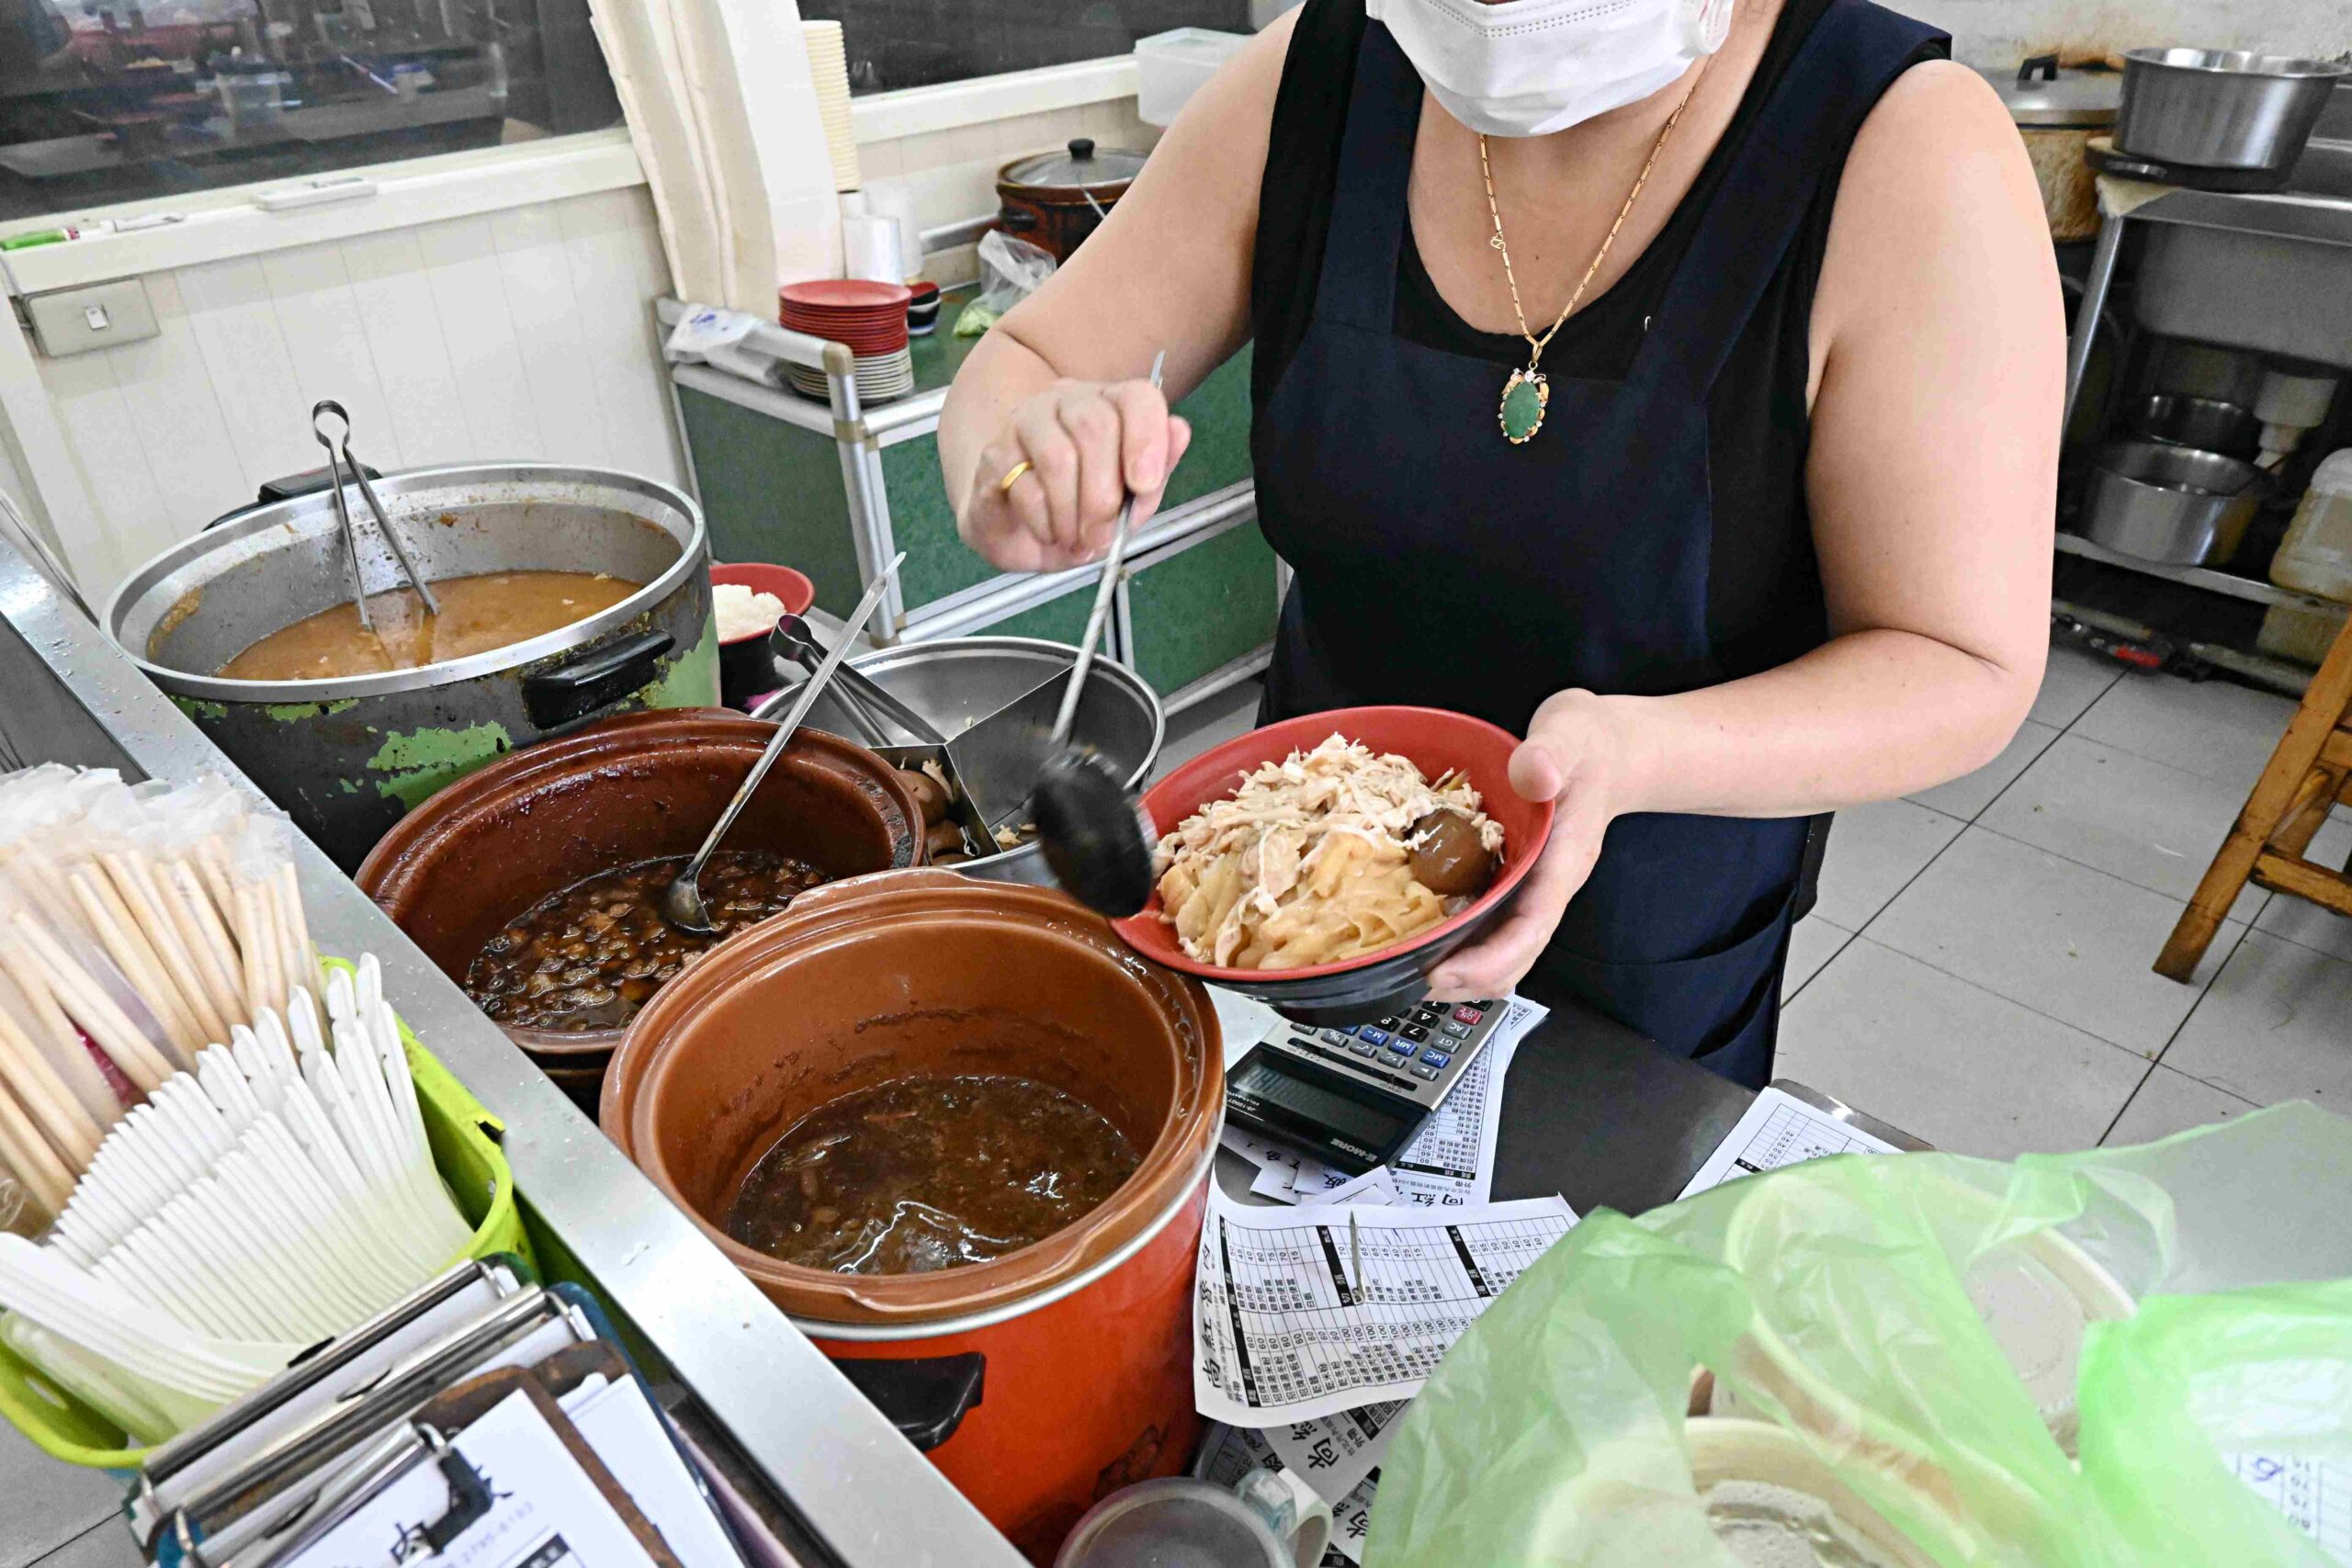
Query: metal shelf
(2205,577)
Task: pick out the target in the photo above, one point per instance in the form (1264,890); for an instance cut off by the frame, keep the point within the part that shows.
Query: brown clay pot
(473,857)
(1079,1346)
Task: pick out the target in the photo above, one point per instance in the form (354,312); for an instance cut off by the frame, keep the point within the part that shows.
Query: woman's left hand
(1577,753)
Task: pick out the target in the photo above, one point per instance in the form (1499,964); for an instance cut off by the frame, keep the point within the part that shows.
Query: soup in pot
(923,1173)
(588,956)
(479,615)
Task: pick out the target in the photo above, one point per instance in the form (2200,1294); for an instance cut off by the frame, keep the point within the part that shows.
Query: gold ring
(1012,476)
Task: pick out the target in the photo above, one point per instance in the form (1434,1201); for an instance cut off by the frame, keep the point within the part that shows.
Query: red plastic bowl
(1355,989)
(794,587)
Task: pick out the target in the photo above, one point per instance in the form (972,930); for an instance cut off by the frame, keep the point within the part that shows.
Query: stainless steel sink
(2324,169)
(2267,273)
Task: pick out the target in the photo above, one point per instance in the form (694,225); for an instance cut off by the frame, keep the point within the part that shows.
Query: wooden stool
(2309,773)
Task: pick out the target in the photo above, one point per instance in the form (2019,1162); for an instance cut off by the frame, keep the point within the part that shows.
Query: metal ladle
(338,451)
(1090,824)
(682,902)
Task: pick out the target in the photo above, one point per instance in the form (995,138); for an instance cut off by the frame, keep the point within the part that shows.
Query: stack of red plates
(869,317)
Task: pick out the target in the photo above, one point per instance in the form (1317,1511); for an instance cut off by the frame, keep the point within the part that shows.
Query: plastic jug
(2316,555)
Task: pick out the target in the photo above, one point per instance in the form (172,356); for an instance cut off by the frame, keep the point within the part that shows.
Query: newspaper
(1228,1453)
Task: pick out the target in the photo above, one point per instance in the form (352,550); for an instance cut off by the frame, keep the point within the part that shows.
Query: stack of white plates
(880,376)
(828,64)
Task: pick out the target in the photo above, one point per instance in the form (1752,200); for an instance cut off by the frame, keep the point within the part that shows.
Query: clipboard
(430,1440)
(252,1497)
(332,1372)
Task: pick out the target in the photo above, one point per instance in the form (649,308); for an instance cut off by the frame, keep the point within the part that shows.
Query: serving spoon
(682,902)
(1091,825)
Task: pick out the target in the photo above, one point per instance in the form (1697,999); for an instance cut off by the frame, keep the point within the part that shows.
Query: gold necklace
(1527,394)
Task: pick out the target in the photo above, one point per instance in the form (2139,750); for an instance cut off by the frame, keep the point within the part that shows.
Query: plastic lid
(2040,94)
(1079,166)
(1175,1523)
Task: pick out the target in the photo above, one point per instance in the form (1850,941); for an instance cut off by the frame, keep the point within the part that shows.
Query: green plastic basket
(465,1139)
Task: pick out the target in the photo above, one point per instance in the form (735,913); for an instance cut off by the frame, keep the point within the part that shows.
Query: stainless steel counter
(865,1497)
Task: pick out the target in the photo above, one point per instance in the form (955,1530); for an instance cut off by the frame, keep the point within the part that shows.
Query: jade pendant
(1525,396)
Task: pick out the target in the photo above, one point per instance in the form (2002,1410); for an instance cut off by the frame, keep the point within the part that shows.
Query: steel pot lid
(1073,174)
(2041,93)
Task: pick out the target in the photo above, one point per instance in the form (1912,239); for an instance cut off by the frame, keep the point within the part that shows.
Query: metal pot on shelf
(2221,111)
(347,757)
(1055,199)
(2170,503)
(2058,108)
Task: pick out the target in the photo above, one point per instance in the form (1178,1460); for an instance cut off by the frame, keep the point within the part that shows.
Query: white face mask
(1531,67)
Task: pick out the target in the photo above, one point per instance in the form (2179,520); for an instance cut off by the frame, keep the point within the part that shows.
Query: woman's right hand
(1085,445)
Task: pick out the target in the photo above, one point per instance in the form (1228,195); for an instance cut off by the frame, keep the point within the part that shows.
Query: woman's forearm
(1868,715)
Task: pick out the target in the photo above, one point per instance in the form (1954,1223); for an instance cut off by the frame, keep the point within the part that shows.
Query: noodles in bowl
(1314,860)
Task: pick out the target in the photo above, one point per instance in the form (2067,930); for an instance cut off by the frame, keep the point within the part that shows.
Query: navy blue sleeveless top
(1590,553)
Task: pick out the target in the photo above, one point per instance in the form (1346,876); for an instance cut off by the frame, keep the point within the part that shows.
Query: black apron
(1436,564)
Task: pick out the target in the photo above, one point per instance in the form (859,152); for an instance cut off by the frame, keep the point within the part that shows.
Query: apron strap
(1854,53)
(1360,248)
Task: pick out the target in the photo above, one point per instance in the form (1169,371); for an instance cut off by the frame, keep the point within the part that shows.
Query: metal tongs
(338,453)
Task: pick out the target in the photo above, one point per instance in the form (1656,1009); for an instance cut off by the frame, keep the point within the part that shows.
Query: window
(105,101)
(914,43)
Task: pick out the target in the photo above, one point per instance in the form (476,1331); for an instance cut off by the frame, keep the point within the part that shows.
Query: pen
(1356,1252)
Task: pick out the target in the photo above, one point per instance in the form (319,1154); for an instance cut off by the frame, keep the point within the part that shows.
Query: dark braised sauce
(930,1172)
(588,956)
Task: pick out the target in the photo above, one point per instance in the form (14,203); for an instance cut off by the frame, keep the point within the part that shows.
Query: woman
(1676,389)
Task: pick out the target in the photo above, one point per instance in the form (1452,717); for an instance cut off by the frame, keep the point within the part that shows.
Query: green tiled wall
(923,524)
(1201,608)
(1055,620)
(772,491)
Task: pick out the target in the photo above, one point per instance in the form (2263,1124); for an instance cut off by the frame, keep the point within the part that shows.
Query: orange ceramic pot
(1045,1379)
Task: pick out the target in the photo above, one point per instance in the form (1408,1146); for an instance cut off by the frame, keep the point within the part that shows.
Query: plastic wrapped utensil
(1832,1298)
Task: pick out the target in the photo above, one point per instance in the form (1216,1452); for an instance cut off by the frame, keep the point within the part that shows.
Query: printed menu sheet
(1449,1163)
(1778,1129)
(1298,1313)
(1334,1453)
(2315,1497)
(1228,1453)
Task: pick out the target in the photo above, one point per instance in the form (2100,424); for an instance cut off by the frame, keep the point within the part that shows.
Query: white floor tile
(1969,795)
(2071,682)
(2142,820)
(1949,1062)
(2275,1024)
(1812,944)
(1874,849)
(2059,938)
(2299,919)
(2171,1102)
(1210,722)
(44,1504)
(2216,729)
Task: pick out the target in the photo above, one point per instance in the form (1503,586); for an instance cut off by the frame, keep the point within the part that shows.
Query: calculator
(1354,1096)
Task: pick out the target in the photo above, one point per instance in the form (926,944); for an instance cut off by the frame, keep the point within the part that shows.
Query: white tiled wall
(526,333)
(2002,32)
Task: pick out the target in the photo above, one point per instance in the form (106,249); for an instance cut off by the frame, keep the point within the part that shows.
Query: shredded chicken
(1306,863)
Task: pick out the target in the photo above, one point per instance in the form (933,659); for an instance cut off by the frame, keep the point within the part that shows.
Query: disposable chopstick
(136,957)
(92,1008)
(21,1145)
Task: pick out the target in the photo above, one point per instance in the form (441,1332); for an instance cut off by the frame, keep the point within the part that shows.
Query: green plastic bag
(1833,1298)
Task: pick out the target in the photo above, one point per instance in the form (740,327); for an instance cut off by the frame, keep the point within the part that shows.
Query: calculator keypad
(1430,1041)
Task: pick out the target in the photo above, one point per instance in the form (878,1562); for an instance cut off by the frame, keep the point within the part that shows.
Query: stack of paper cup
(829,65)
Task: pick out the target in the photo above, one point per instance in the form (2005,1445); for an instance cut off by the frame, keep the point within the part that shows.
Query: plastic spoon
(1091,826)
(682,902)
